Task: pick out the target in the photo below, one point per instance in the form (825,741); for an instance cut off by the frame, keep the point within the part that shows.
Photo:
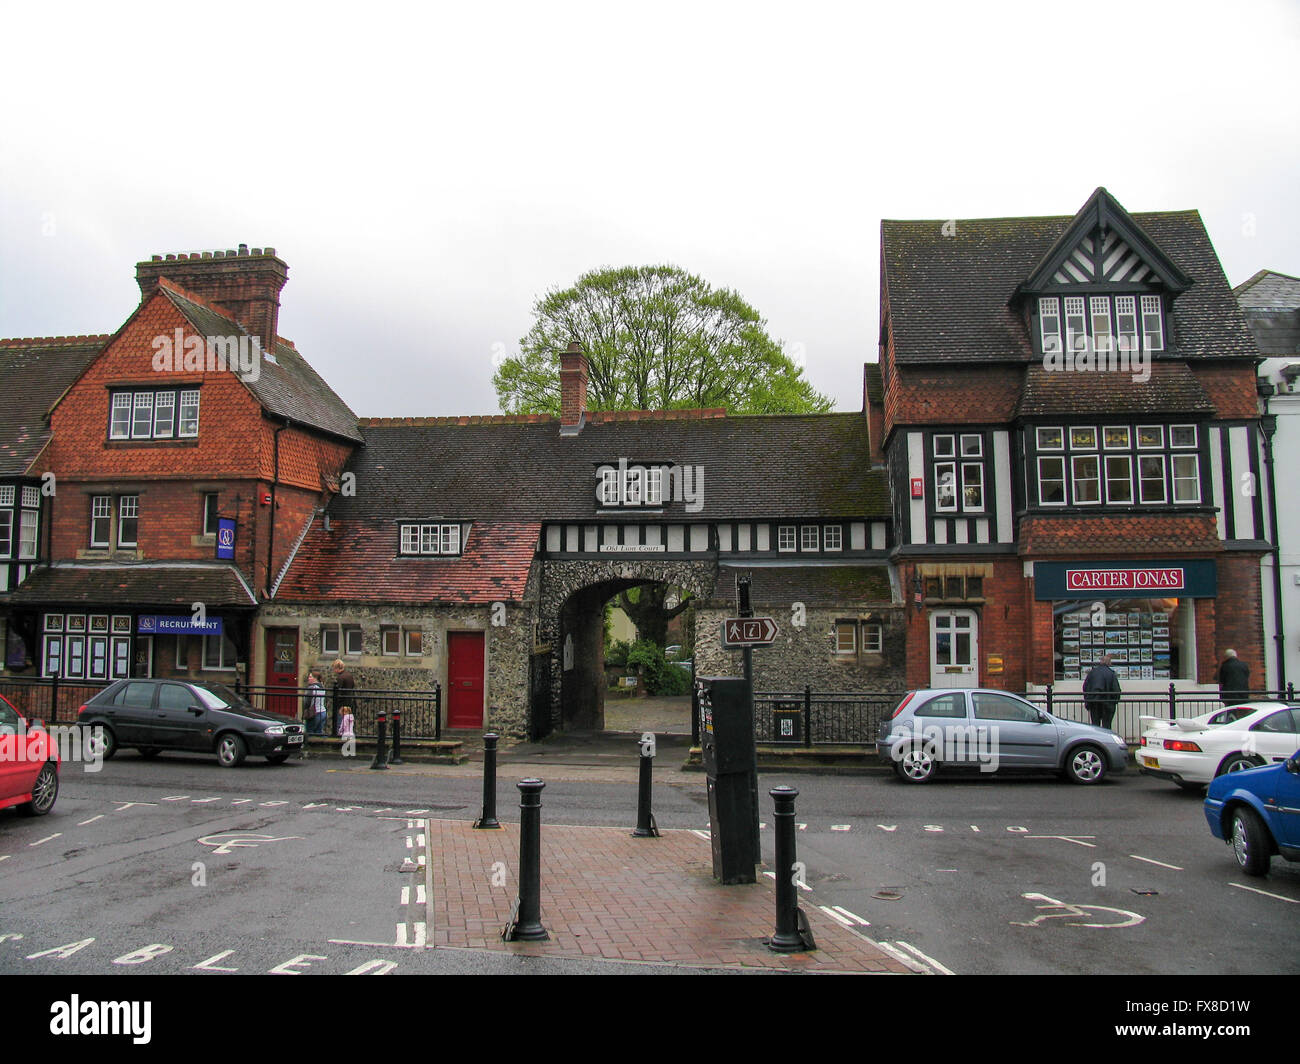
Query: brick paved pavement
(608,895)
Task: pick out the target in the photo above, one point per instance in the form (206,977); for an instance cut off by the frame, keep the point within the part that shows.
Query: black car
(163,714)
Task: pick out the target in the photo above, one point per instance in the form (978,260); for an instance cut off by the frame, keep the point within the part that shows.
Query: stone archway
(573,594)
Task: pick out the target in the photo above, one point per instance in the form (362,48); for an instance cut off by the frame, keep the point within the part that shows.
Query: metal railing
(48,699)
(421,711)
(823,718)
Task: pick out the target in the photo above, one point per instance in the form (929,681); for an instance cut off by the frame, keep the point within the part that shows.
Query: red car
(29,764)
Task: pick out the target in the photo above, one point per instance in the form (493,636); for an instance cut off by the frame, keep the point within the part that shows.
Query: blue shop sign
(154,624)
(1121,580)
(226,538)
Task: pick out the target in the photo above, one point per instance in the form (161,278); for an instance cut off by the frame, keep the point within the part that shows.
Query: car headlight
(275,729)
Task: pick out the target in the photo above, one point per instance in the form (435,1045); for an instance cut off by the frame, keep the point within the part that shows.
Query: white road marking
(272,803)
(409,842)
(802,827)
(841,827)
(762,826)
(416,812)
(974,828)
(345,809)
(406,896)
(46,839)
(834,915)
(1077,839)
(1266,894)
(419,894)
(97,816)
(934,827)
(419,943)
(420,841)
(210,965)
(1076,910)
(226,841)
(852,916)
(898,955)
(5,857)
(925,959)
(176,798)
(204,801)
(1149,860)
(315,805)
(375,967)
(887,827)
(121,805)
(240,801)
(1017,829)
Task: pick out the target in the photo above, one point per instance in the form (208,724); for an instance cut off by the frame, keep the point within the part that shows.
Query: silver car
(992,731)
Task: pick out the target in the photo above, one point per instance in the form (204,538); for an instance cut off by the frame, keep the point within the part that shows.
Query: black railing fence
(421,710)
(51,700)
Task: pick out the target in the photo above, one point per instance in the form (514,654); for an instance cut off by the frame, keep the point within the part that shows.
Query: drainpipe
(270,539)
(1268,426)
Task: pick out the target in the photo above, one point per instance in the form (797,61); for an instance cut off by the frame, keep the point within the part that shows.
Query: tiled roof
(286,387)
(1071,534)
(873,382)
(1172,388)
(356,561)
(813,585)
(1271,302)
(814,465)
(1269,290)
(951,285)
(33,374)
(141,584)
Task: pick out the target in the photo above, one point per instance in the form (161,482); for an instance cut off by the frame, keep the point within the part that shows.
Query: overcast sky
(429,171)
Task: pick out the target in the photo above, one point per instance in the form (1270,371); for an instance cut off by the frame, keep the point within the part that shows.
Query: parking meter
(727,747)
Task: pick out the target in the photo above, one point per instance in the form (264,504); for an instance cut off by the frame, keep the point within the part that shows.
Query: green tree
(656,338)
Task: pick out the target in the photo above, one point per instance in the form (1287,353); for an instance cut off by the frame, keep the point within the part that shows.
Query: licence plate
(295,738)
(1150,762)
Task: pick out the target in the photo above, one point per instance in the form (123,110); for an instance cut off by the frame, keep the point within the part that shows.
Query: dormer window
(642,484)
(430,539)
(1101,324)
(152,414)
(1153,331)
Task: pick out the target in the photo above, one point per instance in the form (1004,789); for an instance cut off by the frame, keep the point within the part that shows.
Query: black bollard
(381,744)
(792,934)
(396,759)
(645,821)
(489,817)
(526,921)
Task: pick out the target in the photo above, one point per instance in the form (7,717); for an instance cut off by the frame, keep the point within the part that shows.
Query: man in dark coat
(1234,679)
(1101,693)
(345,691)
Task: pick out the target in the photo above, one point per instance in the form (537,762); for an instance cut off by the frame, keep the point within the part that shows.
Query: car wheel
(150,752)
(44,791)
(277,759)
(916,765)
(231,750)
(105,746)
(1250,843)
(1085,764)
(1238,763)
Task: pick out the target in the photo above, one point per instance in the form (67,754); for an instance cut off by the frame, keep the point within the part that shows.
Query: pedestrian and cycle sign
(748,632)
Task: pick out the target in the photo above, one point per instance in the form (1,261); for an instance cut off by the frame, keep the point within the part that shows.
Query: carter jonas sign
(1124,579)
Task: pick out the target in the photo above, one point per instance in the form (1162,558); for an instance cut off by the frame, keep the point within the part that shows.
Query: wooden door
(282,671)
(465,680)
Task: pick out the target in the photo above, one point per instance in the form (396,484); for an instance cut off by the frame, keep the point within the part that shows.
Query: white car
(1193,751)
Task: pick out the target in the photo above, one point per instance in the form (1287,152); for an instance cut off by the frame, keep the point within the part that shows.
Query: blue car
(1257,812)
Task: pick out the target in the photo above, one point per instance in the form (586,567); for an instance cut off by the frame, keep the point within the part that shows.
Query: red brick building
(188,451)
(1070,424)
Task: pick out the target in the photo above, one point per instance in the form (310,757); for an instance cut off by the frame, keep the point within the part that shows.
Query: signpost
(745,632)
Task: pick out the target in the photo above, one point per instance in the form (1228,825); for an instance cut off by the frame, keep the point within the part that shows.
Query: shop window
(1147,639)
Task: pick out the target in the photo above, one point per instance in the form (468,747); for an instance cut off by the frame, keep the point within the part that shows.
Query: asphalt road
(299,867)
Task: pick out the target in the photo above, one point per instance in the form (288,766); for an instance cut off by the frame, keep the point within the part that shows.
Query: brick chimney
(246,284)
(573,390)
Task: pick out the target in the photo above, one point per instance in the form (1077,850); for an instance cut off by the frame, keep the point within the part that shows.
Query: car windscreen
(219,696)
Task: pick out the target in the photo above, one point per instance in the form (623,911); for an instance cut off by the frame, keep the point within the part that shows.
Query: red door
(282,671)
(465,680)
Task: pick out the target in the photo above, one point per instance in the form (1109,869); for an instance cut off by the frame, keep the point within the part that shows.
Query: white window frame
(872,638)
(31,497)
(1099,315)
(787,538)
(128,509)
(161,400)
(28,533)
(809,538)
(353,633)
(407,634)
(1076,479)
(211,513)
(1128,438)
(654,486)
(1083,446)
(1059,459)
(966,504)
(385,632)
(1127,479)
(1182,446)
(119,418)
(101,513)
(187,399)
(1159,445)
(1038,438)
(977,440)
(1194,478)
(1076,325)
(142,402)
(948,448)
(632,484)
(939,473)
(6,533)
(851,629)
(609,487)
(1049,309)
(1142,481)
(1126,323)
(1153,324)
(330,641)
(832,537)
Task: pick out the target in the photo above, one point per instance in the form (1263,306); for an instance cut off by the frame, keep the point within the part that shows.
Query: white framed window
(101,520)
(945,487)
(972,486)
(1083,438)
(809,537)
(1187,478)
(785,538)
(128,520)
(846,637)
(1182,435)
(352,641)
(329,640)
(1151,477)
(189,419)
(632,486)
(1049,324)
(410,539)
(119,425)
(1119,479)
(1150,437)
(609,487)
(6,533)
(1099,308)
(972,445)
(1126,323)
(31,497)
(1153,328)
(76,659)
(1087,479)
(142,416)
(871,639)
(218,652)
(1076,325)
(27,529)
(390,641)
(833,537)
(164,415)
(1050,439)
(945,446)
(1051,481)
(450,539)
(1116,437)
(414,640)
(654,486)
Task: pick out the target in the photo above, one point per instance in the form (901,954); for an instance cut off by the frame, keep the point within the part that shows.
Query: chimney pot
(573,389)
(243,249)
